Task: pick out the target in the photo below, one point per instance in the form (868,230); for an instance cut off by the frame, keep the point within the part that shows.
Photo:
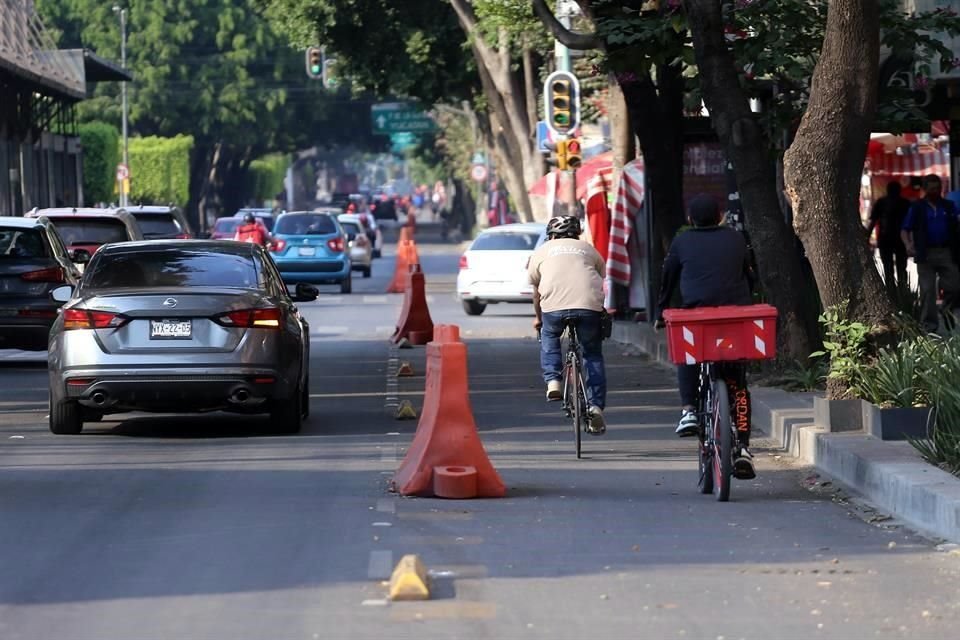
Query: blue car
(311,247)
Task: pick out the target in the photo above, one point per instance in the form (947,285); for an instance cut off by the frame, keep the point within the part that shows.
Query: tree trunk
(823,166)
(747,148)
(622,137)
(529,87)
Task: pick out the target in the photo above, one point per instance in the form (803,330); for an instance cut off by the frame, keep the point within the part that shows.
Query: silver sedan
(179,326)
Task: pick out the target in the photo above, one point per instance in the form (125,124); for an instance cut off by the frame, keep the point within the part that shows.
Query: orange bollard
(404,236)
(446,458)
(412,223)
(401,268)
(415,323)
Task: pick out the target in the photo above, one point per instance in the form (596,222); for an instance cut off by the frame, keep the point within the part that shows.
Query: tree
(101,154)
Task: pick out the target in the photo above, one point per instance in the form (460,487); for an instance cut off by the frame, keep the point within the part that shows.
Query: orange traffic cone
(415,323)
(446,458)
(401,269)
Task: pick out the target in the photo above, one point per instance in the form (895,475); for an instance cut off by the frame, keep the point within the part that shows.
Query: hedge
(267,174)
(101,153)
(160,170)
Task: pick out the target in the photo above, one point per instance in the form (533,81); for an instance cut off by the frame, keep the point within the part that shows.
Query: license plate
(171,329)
(307,251)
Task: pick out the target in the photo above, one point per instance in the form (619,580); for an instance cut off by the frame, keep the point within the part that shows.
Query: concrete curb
(892,475)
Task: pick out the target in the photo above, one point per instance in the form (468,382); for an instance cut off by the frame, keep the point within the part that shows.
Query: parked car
(225,228)
(161,222)
(494,267)
(88,228)
(369,225)
(264,216)
(33,262)
(361,252)
(311,247)
(179,325)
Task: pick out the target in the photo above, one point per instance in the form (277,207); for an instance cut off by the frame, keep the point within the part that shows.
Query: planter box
(896,423)
(838,416)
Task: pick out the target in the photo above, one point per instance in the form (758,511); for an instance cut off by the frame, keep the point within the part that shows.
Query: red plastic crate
(721,334)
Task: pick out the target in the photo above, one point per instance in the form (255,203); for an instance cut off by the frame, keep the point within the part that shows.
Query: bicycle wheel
(577,411)
(722,438)
(705,448)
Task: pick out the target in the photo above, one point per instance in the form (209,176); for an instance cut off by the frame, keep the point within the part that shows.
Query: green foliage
(938,378)
(845,345)
(101,154)
(267,174)
(160,170)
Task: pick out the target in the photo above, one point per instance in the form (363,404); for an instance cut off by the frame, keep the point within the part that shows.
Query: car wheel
(366,272)
(347,285)
(287,415)
(65,418)
(305,399)
(473,307)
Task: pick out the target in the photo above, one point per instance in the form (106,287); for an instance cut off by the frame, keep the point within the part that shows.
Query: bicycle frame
(573,368)
(724,412)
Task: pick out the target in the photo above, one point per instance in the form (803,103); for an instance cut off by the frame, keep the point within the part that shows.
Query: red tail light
(463,261)
(52,274)
(84,319)
(183,236)
(336,244)
(37,313)
(251,319)
(278,245)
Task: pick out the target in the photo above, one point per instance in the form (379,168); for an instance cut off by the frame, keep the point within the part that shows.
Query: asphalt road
(209,527)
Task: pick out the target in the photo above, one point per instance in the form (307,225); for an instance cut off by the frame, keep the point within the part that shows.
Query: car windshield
(155,225)
(170,267)
(226,225)
(505,242)
(350,228)
(22,243)
(308,224)
(91,230)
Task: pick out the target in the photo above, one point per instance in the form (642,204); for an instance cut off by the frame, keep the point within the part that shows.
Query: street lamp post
(123,93)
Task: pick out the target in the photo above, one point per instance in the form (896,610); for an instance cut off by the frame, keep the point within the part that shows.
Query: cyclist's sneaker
(743,465)
(689,424)
(554,390)
(596,425)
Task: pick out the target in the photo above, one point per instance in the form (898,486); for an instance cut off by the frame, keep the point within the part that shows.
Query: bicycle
(574,390)
(719,339)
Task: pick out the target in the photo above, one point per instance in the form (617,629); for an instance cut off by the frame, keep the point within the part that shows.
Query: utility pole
(566,9)
(123,94)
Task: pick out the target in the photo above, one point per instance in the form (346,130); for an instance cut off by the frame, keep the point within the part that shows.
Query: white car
(370,226)
(494,267)
(360,247)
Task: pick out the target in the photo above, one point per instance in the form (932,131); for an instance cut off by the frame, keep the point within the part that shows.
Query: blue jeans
(591,345)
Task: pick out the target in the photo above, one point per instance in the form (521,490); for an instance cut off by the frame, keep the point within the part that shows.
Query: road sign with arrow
(400,117)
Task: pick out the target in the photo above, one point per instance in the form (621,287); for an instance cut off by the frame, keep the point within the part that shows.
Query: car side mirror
(62,294)
(80,256)
(304,292)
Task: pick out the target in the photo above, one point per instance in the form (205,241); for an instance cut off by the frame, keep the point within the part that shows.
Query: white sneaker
(554,390)
(689,424)
(596,424)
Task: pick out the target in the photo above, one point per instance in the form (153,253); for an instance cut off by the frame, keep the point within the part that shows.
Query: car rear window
(91,230)
(505,242)
(314,224)
(168,267)
(155,225)
(226,225)
(266,221)
(350,228)
(22,243)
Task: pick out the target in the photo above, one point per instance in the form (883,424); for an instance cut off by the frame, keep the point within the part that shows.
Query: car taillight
(251,319)
(52,274)
(85,319)
(336,244)
(183,236)
(278,245)
(37,313)
(463,261)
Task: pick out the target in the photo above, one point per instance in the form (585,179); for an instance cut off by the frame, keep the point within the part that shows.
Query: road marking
(374,603)
(439,610)
(375,299)
(386,506)
(435,515)
(320,331)
(382,524)
(441,540)
(380,565)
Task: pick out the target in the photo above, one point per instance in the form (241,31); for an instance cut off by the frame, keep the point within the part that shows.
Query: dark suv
(161,223)
(33,262)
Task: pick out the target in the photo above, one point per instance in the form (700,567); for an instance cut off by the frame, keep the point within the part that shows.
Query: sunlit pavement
(210,527)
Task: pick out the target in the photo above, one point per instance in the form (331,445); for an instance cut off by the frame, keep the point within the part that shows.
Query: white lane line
(374,603)
(380,565)
(321,331)
(389,456)
(386,506)
(375,299)
(382,524)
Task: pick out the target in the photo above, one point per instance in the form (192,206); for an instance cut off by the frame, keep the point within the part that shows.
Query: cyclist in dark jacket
(711,264)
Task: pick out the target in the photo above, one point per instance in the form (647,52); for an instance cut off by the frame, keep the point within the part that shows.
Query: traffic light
(572,154)
(315,63)
(561,97)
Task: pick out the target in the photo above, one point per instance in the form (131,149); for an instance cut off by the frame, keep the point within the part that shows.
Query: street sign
(400,142)
(400,117)
(123,172)
(478,172)
(478,158)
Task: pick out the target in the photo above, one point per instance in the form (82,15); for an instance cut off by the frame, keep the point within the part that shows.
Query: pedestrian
(931,235)
(567,276)
(887,216)
(251,231)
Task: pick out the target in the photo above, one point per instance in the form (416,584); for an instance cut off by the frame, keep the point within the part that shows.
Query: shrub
(101,154)
(160,170)
(267,174)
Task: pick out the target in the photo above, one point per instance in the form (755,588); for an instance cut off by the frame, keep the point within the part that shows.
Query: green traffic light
(562,119)
(315,69)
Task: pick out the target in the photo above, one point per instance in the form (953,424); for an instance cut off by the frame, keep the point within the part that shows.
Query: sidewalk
(892,475)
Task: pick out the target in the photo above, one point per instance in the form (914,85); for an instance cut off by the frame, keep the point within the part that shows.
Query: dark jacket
(920,243)
(712,267)
(888,214)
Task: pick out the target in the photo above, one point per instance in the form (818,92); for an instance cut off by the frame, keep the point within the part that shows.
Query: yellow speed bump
(406,411)
(409,580)
(405,370)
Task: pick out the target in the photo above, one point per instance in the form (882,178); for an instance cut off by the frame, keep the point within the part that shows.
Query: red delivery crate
(719,334)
